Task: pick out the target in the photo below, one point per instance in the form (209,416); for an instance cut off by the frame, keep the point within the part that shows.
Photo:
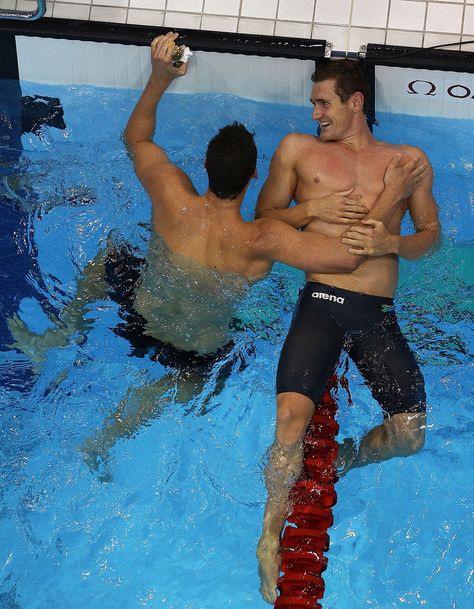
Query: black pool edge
(139,35)
(245,44)
(418,58)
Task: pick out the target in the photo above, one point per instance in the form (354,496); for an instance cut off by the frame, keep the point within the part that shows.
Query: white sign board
(424,92)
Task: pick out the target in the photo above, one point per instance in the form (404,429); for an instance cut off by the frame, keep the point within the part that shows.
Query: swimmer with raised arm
(203,255)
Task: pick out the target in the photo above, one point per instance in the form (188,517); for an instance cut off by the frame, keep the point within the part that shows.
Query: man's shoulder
(295,145)
(171,182)
(406,150)
(267,234)
(296,140)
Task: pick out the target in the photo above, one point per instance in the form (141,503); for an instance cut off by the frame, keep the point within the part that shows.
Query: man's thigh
(387,363)
(310,352)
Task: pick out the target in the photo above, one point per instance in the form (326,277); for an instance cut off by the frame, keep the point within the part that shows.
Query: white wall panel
(425,92)
(434,21)
(50,61)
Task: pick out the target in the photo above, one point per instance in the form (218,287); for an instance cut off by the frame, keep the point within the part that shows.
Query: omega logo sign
(426,87)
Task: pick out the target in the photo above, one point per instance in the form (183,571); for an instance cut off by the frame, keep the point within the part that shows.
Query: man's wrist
(309,211)
(160,82)
(395,192)
(395,244)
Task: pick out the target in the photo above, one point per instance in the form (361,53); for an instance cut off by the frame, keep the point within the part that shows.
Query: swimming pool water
(176,526)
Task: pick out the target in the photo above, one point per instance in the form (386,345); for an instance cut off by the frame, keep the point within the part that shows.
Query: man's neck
(224,206)
(358,138)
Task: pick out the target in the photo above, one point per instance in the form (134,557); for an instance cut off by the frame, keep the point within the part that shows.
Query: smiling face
(336,118)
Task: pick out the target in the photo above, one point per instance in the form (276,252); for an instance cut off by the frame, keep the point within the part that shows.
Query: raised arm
(150,160)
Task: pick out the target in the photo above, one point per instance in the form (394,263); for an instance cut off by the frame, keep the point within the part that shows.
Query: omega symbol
(425,90)
(465,92)
(426,87)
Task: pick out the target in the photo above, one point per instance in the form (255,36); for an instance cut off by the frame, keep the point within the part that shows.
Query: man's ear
(357,101)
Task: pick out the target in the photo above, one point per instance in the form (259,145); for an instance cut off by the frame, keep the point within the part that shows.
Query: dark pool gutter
(428,59)
(199,40)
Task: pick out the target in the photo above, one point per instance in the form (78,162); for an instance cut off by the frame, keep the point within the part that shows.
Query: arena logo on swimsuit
(330,297)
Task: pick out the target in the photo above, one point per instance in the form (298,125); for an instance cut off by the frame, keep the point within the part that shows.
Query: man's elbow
(131,139)
(128,143)
(261,211)
(436,238)
(432,242)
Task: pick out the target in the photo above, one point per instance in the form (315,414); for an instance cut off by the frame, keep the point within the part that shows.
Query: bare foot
(346,456)
(268,554)
(96,459)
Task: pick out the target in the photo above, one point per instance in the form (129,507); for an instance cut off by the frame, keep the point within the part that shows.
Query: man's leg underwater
(308,358)
(284,465)
(400,435)
(394,377)
(139,406)
(91,286)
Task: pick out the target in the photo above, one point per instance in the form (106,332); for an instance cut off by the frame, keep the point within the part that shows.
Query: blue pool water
(176,526)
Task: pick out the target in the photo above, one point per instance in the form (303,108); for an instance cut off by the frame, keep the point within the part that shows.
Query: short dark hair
(231,158)
(349,77)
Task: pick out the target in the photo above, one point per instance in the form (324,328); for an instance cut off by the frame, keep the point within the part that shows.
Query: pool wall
(423,82)
(346,24)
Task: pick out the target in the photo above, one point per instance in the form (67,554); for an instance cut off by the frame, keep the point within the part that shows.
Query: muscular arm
(371,238)
(317,253)
(424,214)
(277,192)
(311,252)
(140,129)
(377,241)
(152,165)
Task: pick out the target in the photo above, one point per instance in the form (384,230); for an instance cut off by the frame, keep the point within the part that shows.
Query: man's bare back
(185,303)
(208,228)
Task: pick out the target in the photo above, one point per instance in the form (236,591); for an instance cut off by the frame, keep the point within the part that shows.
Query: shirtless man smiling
(351,311)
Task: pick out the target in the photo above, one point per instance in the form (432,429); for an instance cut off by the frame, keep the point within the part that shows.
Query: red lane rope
(305,538)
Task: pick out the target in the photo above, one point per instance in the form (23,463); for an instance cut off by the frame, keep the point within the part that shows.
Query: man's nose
(316,113)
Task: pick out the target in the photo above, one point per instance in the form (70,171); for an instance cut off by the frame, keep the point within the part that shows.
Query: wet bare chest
(328,170)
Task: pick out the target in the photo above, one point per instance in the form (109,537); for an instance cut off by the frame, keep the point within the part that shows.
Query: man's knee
(294,412)
(409,429)
(414,441)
